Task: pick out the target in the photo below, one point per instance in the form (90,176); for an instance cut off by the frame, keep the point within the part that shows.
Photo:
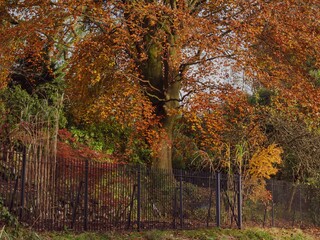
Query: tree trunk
(291,198)
(163,88)
(164,159)
(166,102)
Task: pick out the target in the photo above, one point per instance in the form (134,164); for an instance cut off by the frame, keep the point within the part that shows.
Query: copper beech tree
(142,63)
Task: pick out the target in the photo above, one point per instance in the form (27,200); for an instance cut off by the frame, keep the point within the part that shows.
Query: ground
(203,234)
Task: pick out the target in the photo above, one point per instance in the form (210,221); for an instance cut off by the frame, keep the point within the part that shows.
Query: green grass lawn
(204,234)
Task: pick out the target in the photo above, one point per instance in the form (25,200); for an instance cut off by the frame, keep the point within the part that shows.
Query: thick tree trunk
(164,156)
(163,88)
(166,102)
(164,159)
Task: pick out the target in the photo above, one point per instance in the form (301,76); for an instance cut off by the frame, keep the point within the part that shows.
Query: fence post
(218,199)
(139,197)
(23,180)
(175,207)
(85,217)
(210,201)
(300,209)
(239,202)
(181,201)
(74,210)
(272,202)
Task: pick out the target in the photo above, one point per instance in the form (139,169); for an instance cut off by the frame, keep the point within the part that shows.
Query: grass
(204,234)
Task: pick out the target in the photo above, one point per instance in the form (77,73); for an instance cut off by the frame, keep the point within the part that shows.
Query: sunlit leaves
(223,120)
(135,63)
(263,163)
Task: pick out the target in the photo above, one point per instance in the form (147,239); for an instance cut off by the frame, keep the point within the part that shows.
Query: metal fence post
(181,201)
(85,217)
(210,201)
(175,208)
(23,180)
(272,202)
(139,197)
(76,203)
(300,208)
(218,199)
(239,202)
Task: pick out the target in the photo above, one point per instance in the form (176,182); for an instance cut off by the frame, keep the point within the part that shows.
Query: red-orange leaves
(222,121)
(132,61)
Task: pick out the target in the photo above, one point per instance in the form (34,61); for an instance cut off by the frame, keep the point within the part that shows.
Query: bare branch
(206,60)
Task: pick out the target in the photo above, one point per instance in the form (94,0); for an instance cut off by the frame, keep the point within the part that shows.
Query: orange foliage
(262,163)
(223,120)
(132,62)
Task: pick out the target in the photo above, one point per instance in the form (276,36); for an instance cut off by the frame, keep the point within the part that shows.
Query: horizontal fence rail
(84,195)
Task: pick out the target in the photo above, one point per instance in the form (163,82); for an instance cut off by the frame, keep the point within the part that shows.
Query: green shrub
(6,218)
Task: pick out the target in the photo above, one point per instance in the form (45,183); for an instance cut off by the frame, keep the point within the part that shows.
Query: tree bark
(166,101)
(164,159)
(291,198)
(163,86)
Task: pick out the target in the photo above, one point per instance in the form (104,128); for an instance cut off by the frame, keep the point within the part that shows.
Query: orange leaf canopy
(138,62)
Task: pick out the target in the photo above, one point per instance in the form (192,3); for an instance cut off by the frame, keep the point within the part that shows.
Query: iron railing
(87,195)
(290,205)
(84,195)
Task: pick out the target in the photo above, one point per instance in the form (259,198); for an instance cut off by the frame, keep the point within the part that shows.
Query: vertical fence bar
(239,202)
(175,208)
(14,193)
(210,201)
(218,199)
(264,217)
(138,197)
(23,179)
(131,205)
(85,217)
(181,200)
(109,192)
(300,209)
(75,206)
(272,202)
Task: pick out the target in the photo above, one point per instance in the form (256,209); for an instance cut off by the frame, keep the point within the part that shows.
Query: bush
(6,218)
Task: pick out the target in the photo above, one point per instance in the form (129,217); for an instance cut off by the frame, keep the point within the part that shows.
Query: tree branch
(205,60)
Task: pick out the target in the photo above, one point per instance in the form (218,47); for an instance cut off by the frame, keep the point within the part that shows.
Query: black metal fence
(291,205)
(83,195)
(86,195)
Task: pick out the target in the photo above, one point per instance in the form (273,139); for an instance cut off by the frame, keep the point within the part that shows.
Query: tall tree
(141,60)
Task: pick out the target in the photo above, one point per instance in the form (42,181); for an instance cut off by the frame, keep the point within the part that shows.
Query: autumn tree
(139,62)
